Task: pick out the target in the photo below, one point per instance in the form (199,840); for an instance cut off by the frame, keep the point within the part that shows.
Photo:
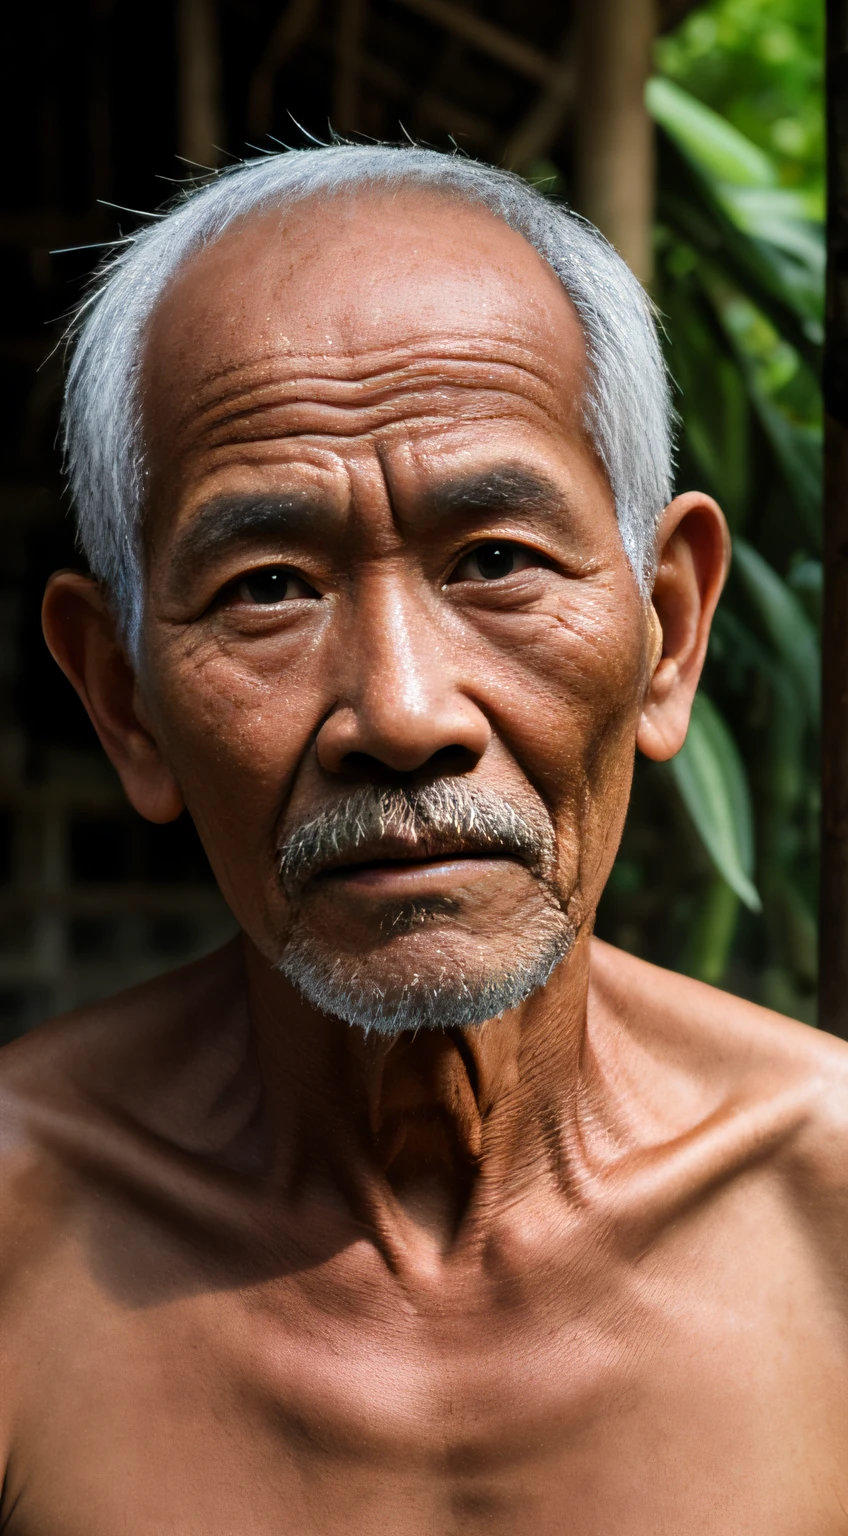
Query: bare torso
(188,1346)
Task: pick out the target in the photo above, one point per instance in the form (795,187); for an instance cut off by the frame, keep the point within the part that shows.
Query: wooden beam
(495,41)
(433,108)
(349,32)
(428,105)
(534,136)
(614,144)
(199,102)
(672,12)
(833,902)
(287,35)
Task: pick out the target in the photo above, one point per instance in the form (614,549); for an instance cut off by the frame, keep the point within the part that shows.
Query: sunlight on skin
(449,1280)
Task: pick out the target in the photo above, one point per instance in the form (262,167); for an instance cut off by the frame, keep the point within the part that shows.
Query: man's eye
(493,561)
(273,584)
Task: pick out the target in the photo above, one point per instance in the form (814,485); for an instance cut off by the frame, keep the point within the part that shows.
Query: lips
(424,829)
(394,855)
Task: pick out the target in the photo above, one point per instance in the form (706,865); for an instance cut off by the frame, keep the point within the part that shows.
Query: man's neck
(428,1134)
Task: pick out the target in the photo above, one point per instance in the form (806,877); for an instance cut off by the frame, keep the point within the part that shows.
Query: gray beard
(451,1002)
(447,813)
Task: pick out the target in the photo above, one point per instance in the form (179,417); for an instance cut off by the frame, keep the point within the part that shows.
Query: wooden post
(833,901)
(351,21)
(614,142)
(200,127)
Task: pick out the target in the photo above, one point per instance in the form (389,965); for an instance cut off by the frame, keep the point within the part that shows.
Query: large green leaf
(789,291)
(710,776)
(797,445)
(721,194)
(714,397)
(798,449)
(785,623)
(708,139)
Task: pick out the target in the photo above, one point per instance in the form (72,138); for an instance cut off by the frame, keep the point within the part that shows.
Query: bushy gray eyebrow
(507,488)
(236,519)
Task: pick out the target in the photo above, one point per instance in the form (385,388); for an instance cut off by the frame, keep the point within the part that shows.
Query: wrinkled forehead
(360,281)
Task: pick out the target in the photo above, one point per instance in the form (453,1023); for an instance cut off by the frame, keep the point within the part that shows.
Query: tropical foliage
(717,873)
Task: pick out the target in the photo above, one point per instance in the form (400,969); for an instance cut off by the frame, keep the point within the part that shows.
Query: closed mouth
(410,861)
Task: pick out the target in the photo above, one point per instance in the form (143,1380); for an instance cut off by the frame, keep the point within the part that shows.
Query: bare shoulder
(723,1031)
(726,1056)
(69,1081)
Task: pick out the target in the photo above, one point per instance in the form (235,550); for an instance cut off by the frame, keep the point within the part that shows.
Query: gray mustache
(448,816)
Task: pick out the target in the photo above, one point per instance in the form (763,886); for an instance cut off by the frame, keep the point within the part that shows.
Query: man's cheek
(239,728)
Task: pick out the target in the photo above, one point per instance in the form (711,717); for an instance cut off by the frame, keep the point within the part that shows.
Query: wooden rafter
(534,135)
(527,140)
(290,31)
(351,23)
(495,41)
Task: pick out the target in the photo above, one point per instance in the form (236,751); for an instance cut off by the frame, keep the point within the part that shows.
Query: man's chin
(389,993)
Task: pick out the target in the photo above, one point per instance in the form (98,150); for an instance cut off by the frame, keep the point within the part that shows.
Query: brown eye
(494,561)
(273,584)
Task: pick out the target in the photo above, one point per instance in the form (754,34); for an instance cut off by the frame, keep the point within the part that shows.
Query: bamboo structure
(200,127)
(833,905)
(613,135)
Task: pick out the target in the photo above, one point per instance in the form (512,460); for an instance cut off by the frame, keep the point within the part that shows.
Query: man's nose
(401,703)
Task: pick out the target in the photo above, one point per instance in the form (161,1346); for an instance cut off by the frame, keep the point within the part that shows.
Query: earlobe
(80,632)
(694,554)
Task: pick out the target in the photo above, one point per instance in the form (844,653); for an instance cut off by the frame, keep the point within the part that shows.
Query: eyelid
(537,557)
(228,591)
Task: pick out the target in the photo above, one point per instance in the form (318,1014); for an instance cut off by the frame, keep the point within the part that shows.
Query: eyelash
(534,557)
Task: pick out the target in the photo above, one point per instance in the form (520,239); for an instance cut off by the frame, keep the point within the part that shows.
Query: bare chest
(667,1397)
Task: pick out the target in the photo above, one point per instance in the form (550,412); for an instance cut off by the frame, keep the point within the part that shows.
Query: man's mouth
(413,842)
(380,870)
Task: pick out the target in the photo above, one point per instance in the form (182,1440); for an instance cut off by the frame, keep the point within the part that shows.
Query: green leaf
(785,623)
(708,139)
(710,777)
(798,450)
(714,399)
(785,289)
(720,193)
(797,445)
(712,932)
(778,216)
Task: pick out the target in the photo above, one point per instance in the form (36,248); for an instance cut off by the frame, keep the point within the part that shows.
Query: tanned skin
(580,1270)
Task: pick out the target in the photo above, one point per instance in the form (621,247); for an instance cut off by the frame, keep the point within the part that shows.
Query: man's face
(394,652)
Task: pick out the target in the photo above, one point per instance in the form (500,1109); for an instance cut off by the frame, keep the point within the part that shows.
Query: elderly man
(415,1210)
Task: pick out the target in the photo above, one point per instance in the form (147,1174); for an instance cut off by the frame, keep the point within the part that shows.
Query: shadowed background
(693,136)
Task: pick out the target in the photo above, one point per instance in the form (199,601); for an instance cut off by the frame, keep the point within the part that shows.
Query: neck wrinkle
(429,1137)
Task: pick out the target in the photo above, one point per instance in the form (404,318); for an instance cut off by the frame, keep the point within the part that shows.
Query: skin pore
(358,441)
(579,1268)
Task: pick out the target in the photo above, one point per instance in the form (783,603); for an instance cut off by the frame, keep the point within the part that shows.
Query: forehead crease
(366,368)
(217,361)
(416,391)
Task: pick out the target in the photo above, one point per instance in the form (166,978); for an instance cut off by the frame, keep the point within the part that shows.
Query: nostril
(446,762)
(363,768)
(451,760)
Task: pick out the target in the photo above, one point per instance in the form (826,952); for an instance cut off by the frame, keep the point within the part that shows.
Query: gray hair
(628,407)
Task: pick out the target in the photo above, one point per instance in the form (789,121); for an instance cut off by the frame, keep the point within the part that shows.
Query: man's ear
(81,635)
(694,555)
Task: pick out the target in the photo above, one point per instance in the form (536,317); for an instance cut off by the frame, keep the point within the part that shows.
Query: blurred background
(693,135)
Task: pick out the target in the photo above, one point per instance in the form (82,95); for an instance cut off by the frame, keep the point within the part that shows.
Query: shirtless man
(415,1210)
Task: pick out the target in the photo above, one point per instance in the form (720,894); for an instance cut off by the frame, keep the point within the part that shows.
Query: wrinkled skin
(580,1270)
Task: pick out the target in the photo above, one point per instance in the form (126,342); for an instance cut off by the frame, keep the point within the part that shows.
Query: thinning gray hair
(628,406)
